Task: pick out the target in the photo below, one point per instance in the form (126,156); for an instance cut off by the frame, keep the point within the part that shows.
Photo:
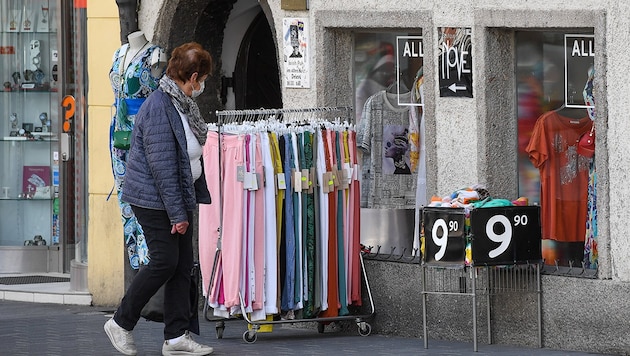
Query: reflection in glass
(551,171)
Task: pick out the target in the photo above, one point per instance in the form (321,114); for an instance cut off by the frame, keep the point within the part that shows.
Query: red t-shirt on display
(563,175)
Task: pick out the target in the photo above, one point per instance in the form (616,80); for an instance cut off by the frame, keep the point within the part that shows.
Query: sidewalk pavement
(69,330)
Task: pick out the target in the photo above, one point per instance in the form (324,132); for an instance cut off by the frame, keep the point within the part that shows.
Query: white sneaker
(185,347)
(120,338)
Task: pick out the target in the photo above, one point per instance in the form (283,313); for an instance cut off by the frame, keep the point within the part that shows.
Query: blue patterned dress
(131,85)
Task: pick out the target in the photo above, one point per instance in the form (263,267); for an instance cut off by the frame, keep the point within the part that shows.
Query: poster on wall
(455,61)
(579,59)
(34,177)
(295,53)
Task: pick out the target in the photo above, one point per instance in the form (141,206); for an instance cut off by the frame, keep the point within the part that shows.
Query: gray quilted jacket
(158,172)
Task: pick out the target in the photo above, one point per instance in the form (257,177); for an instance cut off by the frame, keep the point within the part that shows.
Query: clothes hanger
(571,112)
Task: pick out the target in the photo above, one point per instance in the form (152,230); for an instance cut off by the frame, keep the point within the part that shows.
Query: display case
(29,122)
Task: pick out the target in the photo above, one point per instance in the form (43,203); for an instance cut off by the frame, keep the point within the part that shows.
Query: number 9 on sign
(440,241)
(504,238)
(505,235)
(444,241)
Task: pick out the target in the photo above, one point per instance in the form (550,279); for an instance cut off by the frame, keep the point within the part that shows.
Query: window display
(388,79)
(556,141)
(28,138)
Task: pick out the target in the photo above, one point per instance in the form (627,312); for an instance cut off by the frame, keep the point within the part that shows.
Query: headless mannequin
(137,43)
(130,62)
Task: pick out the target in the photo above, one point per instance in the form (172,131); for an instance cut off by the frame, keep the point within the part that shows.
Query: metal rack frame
(461,280)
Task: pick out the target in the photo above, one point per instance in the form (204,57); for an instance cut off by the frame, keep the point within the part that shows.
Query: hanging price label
(444,235)
(506,235)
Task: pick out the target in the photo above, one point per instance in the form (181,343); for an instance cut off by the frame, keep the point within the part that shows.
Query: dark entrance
(256,73)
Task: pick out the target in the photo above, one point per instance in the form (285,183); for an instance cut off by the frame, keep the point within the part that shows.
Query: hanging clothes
(563,175)
(289,207)
(383,137)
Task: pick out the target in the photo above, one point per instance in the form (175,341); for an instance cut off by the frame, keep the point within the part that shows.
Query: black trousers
(171,260)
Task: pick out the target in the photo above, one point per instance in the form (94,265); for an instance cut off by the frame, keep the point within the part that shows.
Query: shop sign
(444,238)
(506,235)
(455,62)
(579,59)
(68,106)
(295,53)
(409,49)
(294,5)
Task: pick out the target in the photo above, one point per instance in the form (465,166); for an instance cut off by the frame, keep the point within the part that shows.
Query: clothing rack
(286,115)
(289,116)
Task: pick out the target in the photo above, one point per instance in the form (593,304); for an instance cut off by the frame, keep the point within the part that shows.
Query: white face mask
(196,93)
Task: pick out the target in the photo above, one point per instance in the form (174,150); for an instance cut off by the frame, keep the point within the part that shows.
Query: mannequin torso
(139,43)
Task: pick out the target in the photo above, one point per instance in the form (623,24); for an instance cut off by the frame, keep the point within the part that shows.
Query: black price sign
(444,237)
(506,235)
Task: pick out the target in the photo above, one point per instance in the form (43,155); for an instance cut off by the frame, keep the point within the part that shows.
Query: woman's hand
(179,228)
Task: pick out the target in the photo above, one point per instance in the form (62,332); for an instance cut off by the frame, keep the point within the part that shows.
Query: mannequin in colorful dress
(136,71)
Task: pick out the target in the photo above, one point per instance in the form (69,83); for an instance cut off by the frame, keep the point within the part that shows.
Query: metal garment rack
(297,116)
(488,281)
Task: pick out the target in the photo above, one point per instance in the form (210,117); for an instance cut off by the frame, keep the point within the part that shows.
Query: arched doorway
(238,35)
(256,73)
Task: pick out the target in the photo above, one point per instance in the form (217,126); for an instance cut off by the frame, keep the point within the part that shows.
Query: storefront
(502,96)
(42,207)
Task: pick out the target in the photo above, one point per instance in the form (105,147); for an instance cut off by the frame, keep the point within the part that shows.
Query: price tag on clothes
(506,235)
(304,179)
(329,184)
(336,177)
(251,181)
(444,237)
(282,184)
(240,174)
(297,180)
(343,179)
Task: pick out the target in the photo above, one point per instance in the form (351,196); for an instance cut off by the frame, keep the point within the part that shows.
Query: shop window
(555,110)
(381,64)
(388,78)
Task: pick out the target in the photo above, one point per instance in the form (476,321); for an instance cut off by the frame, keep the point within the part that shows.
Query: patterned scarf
(187,106)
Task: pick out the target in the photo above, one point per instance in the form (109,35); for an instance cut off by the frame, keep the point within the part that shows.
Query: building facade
(517,62)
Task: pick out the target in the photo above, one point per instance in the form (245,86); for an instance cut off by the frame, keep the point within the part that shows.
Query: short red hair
(188,59)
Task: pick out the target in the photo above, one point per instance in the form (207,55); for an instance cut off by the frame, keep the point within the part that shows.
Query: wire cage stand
(481,281)
(295,116)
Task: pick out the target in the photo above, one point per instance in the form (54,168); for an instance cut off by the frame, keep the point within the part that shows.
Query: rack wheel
(364,328)
(320,328)
(250,336)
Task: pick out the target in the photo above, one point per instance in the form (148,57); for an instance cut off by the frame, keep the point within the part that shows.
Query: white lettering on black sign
(413,49)
(454,58)
(455,62)
(583,48)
